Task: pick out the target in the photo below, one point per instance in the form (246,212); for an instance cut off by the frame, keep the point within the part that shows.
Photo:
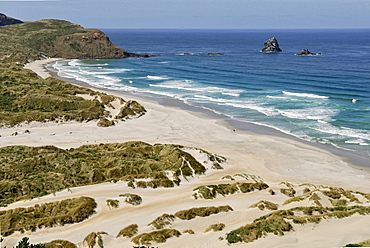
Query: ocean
(323,99)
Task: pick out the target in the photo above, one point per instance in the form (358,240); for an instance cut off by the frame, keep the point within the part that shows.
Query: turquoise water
(323,99)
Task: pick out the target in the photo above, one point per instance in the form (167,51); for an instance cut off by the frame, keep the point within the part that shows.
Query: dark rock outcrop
(5,20)
(306,52)
(271,45)
(215,54)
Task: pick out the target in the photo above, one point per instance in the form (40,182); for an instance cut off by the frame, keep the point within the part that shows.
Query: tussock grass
(46,215)
(112,203)
(201,212)
(215,227)
(162,221)
(276,222)
(188,231)
(94,238)
(128,231)
(29,172)
(132,199)
(211,191)
(60,244)
(288,192)
(365,243)
(156,236)
(265,204)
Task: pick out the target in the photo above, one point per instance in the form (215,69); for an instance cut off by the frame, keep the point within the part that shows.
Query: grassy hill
(55,38)
(25,97)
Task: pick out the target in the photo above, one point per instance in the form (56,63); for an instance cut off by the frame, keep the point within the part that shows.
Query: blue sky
(190,14)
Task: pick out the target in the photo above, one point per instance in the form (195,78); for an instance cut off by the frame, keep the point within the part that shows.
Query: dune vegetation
(279,222)
(201,212)
(25,98)
(155,236)
(211,191)
(46,215)
(29,172)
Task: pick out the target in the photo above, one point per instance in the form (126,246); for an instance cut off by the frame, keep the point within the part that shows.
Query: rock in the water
(215,54)
(5,20)
(306,52)
(271,45)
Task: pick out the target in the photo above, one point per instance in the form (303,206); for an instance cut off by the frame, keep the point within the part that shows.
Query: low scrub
(276,222)
(211,191)
(201,212)
(156,236)
(46,215)
(128,231)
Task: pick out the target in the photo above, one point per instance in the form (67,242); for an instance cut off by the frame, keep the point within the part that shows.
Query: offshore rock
(306,52)
(5,20)
(271,45)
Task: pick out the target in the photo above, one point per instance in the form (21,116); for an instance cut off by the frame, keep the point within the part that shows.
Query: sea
(324,99)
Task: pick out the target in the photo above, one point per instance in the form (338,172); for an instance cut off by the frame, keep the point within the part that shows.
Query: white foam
(156,77)
(309,113)
(305,95)
(277,97)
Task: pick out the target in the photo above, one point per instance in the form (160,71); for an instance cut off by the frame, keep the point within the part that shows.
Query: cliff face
(56,38)
(5,20)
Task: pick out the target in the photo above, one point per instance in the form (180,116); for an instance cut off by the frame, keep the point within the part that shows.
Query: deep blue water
(324,99)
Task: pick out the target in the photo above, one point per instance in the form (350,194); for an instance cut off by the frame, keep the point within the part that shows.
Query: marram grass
(279,222)
(46,215)
(29,172)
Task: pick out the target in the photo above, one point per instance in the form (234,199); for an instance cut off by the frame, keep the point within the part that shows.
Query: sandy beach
(275,159)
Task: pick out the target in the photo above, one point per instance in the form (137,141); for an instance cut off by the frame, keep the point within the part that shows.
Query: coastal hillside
(55,38)
(27,97)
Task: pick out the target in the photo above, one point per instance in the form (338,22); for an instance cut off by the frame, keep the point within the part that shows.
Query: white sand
(273,158)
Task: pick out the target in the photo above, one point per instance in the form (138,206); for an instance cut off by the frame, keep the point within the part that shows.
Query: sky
(196,14)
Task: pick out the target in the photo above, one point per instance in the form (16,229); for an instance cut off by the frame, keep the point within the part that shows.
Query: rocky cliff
(5,20)
(271,45)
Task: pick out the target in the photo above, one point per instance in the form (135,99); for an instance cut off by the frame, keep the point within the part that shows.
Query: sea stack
(306,52)
(271,45)
(5,20)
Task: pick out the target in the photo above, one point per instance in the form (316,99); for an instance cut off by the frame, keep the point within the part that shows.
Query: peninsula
(149,174)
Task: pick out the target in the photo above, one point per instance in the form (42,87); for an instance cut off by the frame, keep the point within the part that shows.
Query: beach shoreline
(233,124)
(274,158)
(160,104)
